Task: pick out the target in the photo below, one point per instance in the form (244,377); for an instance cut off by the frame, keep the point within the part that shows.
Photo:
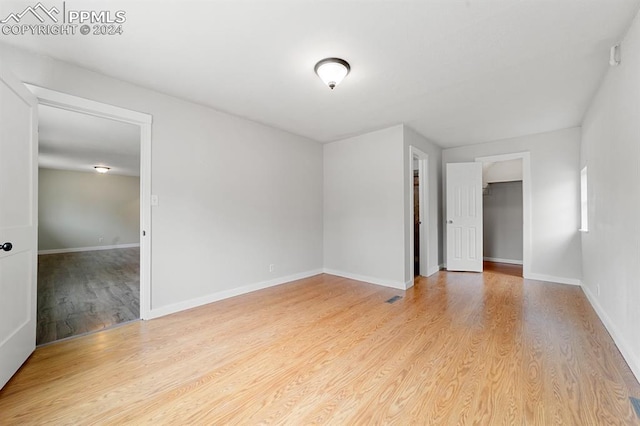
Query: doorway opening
(506,193)
(418,201)
(89,223)
(140,251)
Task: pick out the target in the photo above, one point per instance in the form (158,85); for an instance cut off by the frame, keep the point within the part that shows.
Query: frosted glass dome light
(332,71)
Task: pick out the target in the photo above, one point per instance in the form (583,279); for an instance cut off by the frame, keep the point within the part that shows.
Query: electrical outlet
(100,239)
(272,267)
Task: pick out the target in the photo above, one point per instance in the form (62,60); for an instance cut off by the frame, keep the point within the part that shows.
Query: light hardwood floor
(458,348)
(86,291)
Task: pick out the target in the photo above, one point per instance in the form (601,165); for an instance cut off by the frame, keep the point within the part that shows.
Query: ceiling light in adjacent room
(102,169)
(332,71)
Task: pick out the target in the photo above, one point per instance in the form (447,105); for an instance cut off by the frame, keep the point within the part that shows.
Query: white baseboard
(79,249)
(433,270)
(498,260)
(543,277)
(371,280)
(552,279)
(225,294)
(632,360)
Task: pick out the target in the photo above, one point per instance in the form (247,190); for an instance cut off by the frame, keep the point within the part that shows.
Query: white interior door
(464,217)
(18,223)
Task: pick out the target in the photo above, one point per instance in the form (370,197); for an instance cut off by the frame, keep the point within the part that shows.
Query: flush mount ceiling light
(332,71)
(102,169)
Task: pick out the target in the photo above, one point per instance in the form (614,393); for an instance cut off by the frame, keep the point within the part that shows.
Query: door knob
(7,246)
(449,221)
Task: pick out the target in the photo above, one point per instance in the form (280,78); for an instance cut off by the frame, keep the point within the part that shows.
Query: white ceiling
(457,71)
(73,141)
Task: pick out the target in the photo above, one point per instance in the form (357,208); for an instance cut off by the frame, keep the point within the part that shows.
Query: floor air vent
(636,405)
(394,299)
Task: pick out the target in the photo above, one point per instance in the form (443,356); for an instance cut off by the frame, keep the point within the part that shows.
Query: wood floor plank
(458,348)
(86,291)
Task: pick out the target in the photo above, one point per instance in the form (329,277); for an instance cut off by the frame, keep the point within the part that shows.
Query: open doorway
(418,199)
(89,223)
(142,122)
(502,212)
(506,212)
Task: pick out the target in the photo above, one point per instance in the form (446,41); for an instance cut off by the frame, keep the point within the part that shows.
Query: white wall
(434,184)
(76,209)
(367,212)
(501,171)
(611,152)
(502,218)
(235,195)
(555,191)
(363,207)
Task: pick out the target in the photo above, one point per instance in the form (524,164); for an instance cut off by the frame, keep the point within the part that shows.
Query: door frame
(98,109)
(526,202)
(423,194)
